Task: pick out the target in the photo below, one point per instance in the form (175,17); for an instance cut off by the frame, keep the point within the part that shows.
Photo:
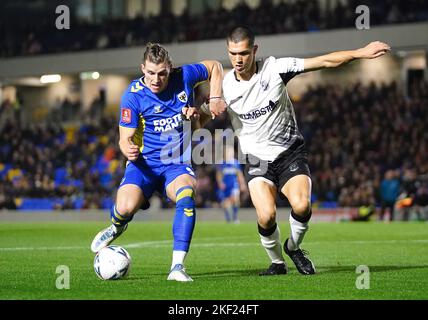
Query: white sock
(272,245)
(298,230)
(178,258)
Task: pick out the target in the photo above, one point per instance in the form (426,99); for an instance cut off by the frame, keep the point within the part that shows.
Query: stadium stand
(25,37)
(354,135)
(68,158)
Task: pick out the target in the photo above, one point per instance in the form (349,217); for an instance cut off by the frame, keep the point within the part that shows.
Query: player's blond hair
(156,54)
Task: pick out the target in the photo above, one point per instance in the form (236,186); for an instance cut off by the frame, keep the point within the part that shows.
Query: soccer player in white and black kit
(264,120)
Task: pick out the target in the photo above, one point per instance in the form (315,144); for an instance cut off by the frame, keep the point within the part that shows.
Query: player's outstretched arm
(130,150)
(242,183)
(215,72)
(335,59)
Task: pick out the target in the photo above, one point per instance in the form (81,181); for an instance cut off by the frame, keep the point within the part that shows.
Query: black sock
(300,218)
(267,232)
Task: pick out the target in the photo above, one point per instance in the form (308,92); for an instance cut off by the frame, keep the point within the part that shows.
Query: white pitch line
(369,241)
(40,248)
(150,244)
(159,245)
(165,243)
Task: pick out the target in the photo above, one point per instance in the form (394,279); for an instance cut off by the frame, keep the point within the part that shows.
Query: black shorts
(290,163)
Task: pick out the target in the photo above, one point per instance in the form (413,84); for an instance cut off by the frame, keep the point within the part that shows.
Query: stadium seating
(40,37)
(84,173)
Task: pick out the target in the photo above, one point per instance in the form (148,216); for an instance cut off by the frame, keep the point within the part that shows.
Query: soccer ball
(112,263)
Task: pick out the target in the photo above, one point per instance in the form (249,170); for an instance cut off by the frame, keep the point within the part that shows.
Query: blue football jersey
(161,134)
(230,171)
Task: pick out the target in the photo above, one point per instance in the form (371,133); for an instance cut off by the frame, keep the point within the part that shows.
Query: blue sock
(117,219)
(185,217)
(227,214)
(235,213)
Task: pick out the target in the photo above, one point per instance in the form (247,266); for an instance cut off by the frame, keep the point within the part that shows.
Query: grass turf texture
(224,262)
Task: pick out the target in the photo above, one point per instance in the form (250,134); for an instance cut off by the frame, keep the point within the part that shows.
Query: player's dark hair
(156,54)
(241,33)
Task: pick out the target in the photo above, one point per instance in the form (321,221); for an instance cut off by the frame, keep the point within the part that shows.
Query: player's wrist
(358,54)
(215,98)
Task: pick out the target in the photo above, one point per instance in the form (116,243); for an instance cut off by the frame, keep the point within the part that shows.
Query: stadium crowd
(356,135)
(71,167)
(367,148)
(24,37)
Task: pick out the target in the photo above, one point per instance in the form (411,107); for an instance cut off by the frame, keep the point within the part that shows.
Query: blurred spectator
(407,195)
(357,132)
(205,192)
(40,37)
(354,134)
(389,191)
(365,212)
(53,162)
(421,199)
(6,201)
(97,107)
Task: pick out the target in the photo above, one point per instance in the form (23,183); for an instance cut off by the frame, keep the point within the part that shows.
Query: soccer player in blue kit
(153,133)
(230,182)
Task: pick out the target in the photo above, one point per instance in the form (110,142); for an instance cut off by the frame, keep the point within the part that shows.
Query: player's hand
(222,186)
(373,50)
(217,106)
(190,113)
(132,152)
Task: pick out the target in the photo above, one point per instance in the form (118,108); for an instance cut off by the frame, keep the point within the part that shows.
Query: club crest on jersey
(182,97)
(294,167)
(158,109)
(126,115)
(264,85)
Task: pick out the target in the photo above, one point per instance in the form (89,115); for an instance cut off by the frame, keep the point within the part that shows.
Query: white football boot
(106,236)
(178,273)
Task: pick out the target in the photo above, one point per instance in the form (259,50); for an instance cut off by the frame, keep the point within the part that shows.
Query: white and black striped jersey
(260,109)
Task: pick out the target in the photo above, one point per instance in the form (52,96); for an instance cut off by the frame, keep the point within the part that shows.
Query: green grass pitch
(224,262)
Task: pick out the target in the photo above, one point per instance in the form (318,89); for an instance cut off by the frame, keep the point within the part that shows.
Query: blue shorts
(228,192)
(151,179)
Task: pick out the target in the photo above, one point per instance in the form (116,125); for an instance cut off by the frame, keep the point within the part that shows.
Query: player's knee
(188,181)
(267,221)
(126,208)
(302,207)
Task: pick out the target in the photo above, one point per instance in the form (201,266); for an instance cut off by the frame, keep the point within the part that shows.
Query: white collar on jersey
(257,71)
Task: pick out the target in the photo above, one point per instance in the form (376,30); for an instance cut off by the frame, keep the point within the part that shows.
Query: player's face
(156,76)
(243,57)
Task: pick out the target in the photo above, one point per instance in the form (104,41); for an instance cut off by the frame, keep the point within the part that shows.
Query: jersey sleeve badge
(126,115)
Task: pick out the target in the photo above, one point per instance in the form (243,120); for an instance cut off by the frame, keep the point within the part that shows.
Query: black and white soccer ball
(112,263)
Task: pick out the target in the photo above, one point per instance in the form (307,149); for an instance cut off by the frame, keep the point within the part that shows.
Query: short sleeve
(195,73)
(128,111)
(290,65)
(288,68)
